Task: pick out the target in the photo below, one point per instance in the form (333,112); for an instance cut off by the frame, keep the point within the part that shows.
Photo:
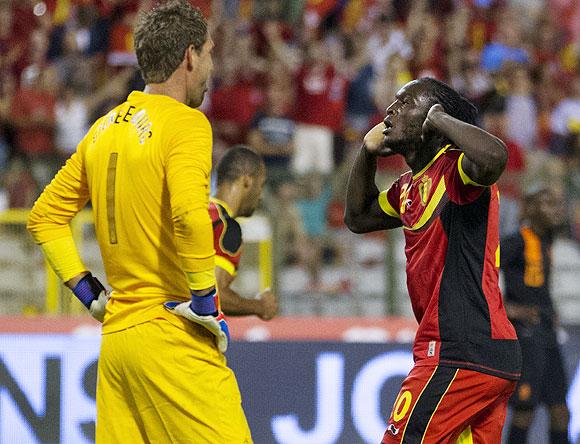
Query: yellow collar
(222,203)
(441,151)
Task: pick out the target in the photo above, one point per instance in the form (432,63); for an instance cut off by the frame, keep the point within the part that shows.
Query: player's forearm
(361,189)
(194,243)
(233,304)
(64,259)
(486,151)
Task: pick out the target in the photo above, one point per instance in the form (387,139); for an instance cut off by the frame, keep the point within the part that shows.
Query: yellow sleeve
(63,257)
(464,177)
(188,167)
(48,222)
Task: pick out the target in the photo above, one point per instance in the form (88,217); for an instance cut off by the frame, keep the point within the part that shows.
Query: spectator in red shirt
(321,90)
(237,81)
(34,120)
(231,123)
(21,188)
(12,45)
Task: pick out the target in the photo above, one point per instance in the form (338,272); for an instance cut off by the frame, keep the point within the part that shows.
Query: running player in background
(240,179)
(527,266)
(467,357)
(145,167)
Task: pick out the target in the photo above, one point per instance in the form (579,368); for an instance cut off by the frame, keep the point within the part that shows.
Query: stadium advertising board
(294,392)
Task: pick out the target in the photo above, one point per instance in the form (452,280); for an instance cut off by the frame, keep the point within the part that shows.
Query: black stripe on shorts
(427,403)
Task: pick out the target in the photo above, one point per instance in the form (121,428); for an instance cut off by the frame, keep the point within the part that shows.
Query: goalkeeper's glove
(93,296)
(203,311)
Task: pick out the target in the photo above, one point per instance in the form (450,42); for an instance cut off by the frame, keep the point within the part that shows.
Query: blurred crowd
(301,81)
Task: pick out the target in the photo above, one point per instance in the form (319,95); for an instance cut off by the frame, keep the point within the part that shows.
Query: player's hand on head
(93,295)
(428,125)
(374,141)
(203,310)
(269,304)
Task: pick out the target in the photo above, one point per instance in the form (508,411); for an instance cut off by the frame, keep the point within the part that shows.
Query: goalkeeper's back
(145,166)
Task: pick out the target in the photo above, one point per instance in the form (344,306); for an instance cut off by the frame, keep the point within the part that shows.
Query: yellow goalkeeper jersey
(145,167)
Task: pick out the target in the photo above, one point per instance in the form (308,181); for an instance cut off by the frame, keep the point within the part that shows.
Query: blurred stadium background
(300,81)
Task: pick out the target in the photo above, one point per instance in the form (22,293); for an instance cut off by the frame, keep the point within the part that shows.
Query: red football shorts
(438,404)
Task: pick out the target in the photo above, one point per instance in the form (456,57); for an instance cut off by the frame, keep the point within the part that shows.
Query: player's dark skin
(416,128)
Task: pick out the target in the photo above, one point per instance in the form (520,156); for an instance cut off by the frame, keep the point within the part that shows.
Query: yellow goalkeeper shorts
(163,383)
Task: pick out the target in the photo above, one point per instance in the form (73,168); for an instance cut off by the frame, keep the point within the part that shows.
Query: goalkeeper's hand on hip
(93,295)
(203,310)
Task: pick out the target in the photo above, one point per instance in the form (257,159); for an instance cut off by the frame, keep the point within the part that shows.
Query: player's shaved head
(162,36)
(238,161)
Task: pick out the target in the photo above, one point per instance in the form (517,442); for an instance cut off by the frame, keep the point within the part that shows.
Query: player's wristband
(88,289)
(204,305)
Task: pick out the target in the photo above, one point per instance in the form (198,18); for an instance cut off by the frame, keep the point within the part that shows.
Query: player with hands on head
(466,352)
(145,166)
(240,180)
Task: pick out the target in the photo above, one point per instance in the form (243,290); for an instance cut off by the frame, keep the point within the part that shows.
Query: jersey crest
(425,189)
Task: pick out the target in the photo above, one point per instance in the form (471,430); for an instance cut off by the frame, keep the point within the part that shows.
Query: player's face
(198,78)
(254,194)
(405,117)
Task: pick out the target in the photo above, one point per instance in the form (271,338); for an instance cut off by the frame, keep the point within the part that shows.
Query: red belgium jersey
(227,237)
(451,227)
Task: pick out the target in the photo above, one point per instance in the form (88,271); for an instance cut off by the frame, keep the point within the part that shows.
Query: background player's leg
(519,426)
(554,389)
(528,390)
(559,419)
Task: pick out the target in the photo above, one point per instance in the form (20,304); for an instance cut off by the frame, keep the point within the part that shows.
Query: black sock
(517,435)
(558,437)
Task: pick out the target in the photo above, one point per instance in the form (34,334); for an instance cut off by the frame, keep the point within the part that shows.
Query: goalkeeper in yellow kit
(145,166)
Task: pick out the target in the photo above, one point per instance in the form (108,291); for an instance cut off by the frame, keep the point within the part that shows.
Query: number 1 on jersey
(111,172)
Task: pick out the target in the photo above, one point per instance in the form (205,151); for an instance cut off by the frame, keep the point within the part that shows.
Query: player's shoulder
(180,112)
(105,121)
(227,230)
(167,108)
(232,238)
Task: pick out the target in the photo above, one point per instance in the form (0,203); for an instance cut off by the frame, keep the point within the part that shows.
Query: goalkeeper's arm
(64,259)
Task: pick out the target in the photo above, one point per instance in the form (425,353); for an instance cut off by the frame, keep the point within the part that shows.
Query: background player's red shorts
(437,404)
